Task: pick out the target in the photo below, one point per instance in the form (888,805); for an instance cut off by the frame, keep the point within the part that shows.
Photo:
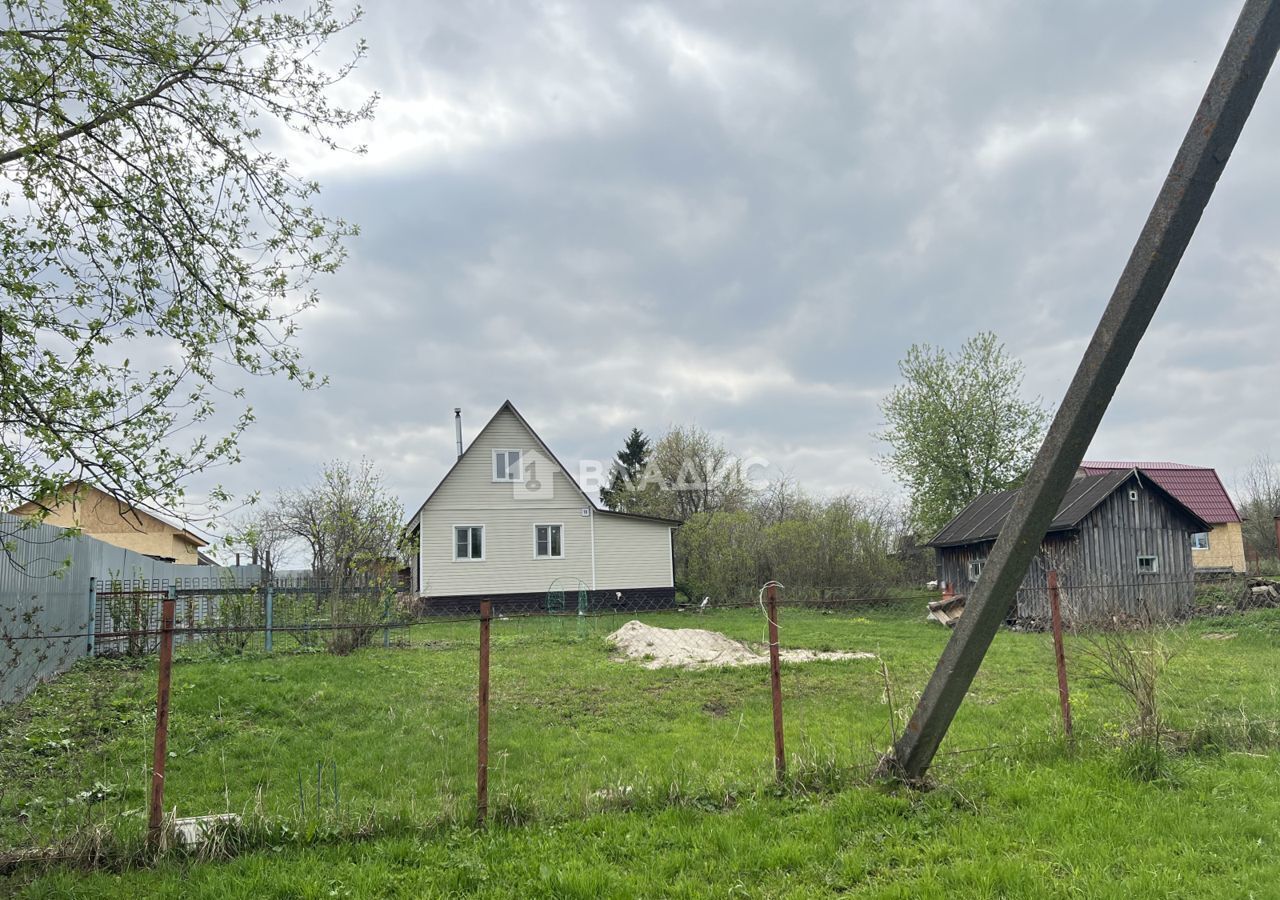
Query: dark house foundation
(523,604)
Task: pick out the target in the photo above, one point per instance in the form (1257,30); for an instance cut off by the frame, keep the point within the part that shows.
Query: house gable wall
(470,485)
(100,515)
(628,553)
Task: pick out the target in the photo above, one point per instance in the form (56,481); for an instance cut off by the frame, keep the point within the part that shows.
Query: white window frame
(1195,545)
(979,565)
(484,544)
(536,554)
(1155,564)
(506,459)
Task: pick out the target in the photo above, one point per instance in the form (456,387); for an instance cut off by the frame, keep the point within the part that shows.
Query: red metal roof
(1196,487)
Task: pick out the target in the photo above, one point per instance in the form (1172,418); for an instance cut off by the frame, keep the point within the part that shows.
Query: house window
(975,568)
(548,541)
(1200,541)
(468,542)
(506,465)
(1148,565)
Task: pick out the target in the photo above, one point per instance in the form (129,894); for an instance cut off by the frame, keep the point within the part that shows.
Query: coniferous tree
(628,470)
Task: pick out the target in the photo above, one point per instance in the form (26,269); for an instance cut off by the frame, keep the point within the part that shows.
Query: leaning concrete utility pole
(1201,159)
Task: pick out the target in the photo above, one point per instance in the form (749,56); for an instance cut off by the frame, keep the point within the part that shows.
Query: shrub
(356,615)
(1132,654)
(238,617)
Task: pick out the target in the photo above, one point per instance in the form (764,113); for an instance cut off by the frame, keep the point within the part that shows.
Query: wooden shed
(1120,542)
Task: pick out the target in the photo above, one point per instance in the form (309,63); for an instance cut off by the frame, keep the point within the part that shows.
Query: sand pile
(660,648)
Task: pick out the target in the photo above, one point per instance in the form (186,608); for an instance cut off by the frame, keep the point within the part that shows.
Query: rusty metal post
(482,754)
(1278,536)
(1060,657)
(155,819)
(775,681)
(93,610)
(1200,160)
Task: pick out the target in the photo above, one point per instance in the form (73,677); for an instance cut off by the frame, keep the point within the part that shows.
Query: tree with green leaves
(348,519)
(628,468)
(264,537)
(958,427)
(696,473)
(351,523)
(156,247)
(687,471)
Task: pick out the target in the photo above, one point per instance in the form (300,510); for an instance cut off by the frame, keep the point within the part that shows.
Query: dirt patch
(659,648)
(1218,636)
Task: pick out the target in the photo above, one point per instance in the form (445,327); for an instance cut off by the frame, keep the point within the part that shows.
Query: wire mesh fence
(286,614)
(590,708)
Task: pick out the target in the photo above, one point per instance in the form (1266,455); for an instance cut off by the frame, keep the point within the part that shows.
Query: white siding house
(510,524)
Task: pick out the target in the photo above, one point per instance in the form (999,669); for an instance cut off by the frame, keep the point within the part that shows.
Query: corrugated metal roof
(982,519)
(1196,487)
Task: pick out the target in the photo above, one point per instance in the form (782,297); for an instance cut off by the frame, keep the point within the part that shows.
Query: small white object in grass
(615,793)
(195,829)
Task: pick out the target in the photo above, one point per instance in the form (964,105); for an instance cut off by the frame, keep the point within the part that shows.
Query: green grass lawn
(611,779)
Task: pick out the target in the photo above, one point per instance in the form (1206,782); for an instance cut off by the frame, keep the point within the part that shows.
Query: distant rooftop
(1196,487)
(983,519)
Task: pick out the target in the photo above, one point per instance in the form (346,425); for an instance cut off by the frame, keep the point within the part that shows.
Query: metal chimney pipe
(457,427)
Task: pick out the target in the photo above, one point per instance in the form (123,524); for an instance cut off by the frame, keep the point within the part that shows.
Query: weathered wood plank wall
(1098,563)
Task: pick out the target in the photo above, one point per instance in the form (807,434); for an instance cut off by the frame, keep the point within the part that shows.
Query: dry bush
(1131,653)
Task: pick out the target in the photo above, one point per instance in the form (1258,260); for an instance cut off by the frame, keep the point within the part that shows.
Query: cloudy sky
(740,215)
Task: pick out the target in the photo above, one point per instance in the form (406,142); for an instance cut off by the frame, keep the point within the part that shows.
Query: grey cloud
(742,215)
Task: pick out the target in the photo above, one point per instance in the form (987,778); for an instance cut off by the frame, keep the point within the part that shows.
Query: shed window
(506,465)
(975,568)
(1148,565)
(468,542)
(547,542)
(1200,541)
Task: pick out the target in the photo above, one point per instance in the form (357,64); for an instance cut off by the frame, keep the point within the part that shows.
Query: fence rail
(588,698)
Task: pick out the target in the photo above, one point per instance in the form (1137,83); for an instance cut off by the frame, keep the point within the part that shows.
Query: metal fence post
(267,638)
(1060,656)
(93,610)
(775,681)
(155,820)
(386,621)
(482,749)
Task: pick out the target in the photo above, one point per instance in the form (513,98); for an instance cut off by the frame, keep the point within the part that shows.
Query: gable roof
(982,519)
(1197,487)
(508,406)
(138,513)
